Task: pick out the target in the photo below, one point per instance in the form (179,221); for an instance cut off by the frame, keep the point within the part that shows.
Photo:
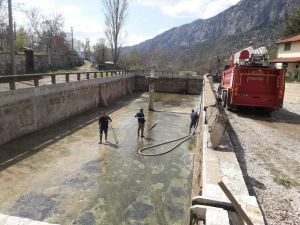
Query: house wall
(294,52)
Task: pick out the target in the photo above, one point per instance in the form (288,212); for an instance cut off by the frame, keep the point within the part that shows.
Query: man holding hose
(194,120)
(103,125)
(141,122)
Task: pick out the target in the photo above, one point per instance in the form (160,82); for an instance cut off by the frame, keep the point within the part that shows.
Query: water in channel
(74,180)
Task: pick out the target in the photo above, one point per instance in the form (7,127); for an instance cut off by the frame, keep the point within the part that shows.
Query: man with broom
(103,125)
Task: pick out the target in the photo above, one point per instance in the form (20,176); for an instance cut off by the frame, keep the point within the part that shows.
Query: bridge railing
(157,72)
(51,78)
(8,82)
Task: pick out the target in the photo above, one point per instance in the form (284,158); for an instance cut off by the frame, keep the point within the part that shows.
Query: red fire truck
(251,82)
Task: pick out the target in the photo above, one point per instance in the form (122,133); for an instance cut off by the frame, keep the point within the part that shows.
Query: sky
(146,18)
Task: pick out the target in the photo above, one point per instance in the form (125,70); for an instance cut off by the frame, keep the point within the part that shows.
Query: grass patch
(281,179)
(283,182)
(288,79)
(278,177)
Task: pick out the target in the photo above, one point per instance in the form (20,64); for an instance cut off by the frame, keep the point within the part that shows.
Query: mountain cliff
(196,45)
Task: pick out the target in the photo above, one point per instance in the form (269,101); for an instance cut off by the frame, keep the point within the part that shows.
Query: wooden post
(53,79)
(36,81)
(12,85)
(67,77)
(95,75)
(235,203)
(78,76)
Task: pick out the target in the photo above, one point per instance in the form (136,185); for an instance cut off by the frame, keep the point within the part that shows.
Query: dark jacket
(141,117)
(103,121)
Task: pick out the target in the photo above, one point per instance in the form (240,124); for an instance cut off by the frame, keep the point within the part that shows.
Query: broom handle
(115,136)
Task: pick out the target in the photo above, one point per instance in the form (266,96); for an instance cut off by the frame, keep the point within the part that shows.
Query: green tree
(100,51)
(134,60)
(292,26)
(21,39)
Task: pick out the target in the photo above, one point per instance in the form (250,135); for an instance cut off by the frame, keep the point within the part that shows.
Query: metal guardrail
(12,79)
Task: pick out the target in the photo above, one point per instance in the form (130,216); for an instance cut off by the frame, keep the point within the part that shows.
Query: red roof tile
(291,39)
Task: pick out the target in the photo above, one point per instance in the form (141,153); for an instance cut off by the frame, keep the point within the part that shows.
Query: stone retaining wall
(40,63)
(27,110)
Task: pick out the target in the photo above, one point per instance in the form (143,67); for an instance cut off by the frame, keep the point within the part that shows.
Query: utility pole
(11,40)
(72,47)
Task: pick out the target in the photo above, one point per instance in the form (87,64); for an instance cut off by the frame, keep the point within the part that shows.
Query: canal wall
(27,110)
(171,84)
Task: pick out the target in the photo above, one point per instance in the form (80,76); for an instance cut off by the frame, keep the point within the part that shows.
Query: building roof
(286,60)
(287,40)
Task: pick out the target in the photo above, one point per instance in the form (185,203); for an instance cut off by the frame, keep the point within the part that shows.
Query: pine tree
(292,26)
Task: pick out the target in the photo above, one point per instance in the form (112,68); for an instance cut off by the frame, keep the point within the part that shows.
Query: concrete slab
(221,164)
(215,216)
(13,220)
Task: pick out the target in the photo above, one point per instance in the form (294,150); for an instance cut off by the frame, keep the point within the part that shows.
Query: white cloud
(189,8)
(84,25)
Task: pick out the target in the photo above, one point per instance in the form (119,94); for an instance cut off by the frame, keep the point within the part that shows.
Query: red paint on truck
(253,86)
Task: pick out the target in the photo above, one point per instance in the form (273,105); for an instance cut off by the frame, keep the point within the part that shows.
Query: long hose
(184,139)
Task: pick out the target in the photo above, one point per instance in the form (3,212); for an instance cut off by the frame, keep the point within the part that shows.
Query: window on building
(287,46)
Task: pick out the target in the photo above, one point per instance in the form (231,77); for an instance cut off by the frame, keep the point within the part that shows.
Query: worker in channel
(141,122)
(103,125)
(194,119)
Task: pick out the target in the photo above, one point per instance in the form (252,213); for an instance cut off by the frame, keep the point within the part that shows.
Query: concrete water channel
(62,175)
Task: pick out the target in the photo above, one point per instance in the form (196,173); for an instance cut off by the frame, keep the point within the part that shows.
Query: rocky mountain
(199,43)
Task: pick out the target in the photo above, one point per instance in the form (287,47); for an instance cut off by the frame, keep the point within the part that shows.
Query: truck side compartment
(249,82)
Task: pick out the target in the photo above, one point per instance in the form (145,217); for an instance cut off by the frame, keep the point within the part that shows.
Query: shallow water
(77,181)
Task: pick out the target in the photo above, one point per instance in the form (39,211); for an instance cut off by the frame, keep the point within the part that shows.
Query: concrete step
(211,215)
(13,220)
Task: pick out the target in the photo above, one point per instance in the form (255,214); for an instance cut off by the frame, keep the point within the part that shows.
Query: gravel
(268,150)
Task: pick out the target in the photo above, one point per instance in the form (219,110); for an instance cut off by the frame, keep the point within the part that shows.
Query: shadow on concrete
(116,146)
(223,148)
(280,116)
(21,148)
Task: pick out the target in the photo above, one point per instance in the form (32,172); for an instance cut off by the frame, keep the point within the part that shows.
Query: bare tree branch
(115,12)
(47,28)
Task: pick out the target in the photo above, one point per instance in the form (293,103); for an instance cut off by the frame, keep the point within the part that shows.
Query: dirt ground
(268,149)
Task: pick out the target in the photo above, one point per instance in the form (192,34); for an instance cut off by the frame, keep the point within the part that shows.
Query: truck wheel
(224,99)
